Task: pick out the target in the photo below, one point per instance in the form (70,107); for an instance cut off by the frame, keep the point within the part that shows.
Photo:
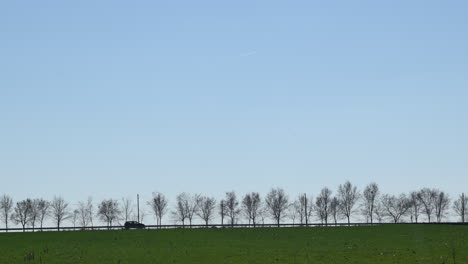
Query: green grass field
(378,244)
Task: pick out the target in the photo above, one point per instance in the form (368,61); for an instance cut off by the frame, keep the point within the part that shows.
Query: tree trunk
(463,207)
(305,210)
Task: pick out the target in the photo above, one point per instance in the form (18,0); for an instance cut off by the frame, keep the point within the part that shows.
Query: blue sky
(111,98)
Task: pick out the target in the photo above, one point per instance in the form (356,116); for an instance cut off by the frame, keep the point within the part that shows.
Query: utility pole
(138,207)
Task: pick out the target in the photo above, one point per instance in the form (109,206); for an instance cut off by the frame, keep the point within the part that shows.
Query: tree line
(277,206)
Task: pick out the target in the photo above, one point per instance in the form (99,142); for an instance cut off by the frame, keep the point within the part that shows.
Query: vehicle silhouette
(133,225)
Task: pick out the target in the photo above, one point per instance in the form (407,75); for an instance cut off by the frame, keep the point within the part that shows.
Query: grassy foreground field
(378,244)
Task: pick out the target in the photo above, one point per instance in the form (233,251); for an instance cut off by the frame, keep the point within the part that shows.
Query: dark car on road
(134,225)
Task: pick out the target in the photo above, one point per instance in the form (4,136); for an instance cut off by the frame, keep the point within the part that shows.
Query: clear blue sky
(111,98)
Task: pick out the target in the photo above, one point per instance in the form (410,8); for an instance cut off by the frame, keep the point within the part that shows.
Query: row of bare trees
(33,211)
(432,203)
(327,207)
(30,212)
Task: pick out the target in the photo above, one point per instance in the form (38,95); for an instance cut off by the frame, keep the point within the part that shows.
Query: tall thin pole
(138,207)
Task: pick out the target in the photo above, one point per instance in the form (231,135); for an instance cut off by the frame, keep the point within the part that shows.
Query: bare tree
(427,197)
(277,203)
(293,212)
(180,213)
(192,207)
(186,207)
(322,204)
(109,211)
(206,207)
(396,207)
(59,210)
(460,207)
(74,217)
(34,213)
(441,205)
(308,207)
(83,214)
(43,208)
(222,211)
(6,205)
(90,210)
(347,196)
(379,211)
(370,195)
(127,208)
(22,213)
(251,204)
(159,205)
(303,208)
(415,206)
(231,207)
(262,214)
(334,208)
(297,209)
